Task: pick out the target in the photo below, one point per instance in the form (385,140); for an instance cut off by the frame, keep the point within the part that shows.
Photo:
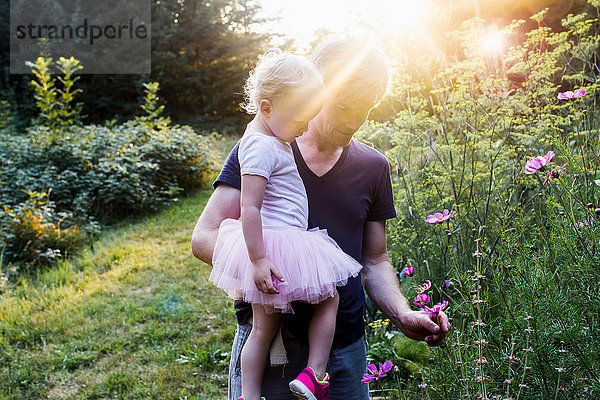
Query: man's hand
(264,270)
(419,326)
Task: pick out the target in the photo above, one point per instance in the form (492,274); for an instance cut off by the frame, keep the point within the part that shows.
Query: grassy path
(131,318)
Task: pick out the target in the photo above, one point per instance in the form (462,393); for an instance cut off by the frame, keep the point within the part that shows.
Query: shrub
(58,111)
(90,174)
(104,173)
(32,232)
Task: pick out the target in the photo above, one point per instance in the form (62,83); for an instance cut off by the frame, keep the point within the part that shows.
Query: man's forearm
(381,285)
(203,242)
(224,203)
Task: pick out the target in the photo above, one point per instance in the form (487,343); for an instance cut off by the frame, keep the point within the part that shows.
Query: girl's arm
(253,192)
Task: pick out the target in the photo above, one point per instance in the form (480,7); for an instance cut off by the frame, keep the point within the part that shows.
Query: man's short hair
(353,66)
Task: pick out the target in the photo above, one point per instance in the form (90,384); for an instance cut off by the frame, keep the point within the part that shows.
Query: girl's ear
(265,107)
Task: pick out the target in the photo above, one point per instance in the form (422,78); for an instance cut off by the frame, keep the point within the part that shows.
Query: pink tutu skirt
(311,263)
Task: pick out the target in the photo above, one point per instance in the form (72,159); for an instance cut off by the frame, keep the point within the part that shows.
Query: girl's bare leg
(320,334)
(256,349)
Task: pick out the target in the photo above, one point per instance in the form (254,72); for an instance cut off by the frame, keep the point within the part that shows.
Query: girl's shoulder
(256,141)
(260,154)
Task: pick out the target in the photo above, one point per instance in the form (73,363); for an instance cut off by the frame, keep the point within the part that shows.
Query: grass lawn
(131,317)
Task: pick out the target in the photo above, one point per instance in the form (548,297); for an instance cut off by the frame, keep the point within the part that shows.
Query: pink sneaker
(307,387)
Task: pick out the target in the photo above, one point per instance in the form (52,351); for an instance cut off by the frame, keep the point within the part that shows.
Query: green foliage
(32,232)
(201,56)
(6,119)
(522,250)
(58,111)
(152,108)
(90,173)
(104,173)
(69,112)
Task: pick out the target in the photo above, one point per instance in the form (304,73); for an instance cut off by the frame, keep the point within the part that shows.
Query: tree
(202,53)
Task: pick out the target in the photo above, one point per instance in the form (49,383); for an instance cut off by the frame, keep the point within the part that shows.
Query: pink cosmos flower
(597,182)
(536,163)
(569,95)
(439,217)
(409,271)
(435,310)
(421,299)
(376,373)
(447,283)
(425,287)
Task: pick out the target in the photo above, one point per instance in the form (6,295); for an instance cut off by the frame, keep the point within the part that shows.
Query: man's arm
(381,284)
(224,203)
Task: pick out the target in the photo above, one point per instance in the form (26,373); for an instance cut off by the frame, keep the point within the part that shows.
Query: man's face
(340,118)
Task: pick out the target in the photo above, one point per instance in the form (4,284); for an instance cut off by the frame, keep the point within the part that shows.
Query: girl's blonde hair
(278,74)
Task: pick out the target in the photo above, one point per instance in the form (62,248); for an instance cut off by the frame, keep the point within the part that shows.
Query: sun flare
(492,42)
(302,20)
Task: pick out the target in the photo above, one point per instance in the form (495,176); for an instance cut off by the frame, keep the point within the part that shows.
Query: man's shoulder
(361,152)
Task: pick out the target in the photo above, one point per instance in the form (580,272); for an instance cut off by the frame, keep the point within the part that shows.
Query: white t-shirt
(285,202)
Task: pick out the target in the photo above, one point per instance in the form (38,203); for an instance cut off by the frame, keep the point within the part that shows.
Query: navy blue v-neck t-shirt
(355,190)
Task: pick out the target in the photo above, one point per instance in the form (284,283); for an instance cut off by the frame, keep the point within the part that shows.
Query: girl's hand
(264,270)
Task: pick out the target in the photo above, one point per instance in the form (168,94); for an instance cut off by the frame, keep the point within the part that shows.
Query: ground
(131,317)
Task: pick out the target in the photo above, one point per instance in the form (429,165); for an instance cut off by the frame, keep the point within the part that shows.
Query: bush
(32,232)
(103,173)
(90,174)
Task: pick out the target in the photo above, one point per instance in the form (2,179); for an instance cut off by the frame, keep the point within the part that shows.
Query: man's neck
(313,141)
(320,156)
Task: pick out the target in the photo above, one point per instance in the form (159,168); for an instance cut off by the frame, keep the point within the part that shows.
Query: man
(349,192)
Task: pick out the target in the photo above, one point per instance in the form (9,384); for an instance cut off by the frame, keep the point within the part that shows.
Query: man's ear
(265,107)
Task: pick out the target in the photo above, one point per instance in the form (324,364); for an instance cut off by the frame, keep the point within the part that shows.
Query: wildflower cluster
(422,298)
(513,298)
(379,323)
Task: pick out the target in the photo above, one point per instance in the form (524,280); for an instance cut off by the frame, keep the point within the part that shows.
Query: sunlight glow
(493,42)
(395,13)
(302,20)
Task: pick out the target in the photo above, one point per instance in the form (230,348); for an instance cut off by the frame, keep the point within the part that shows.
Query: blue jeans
(346,368)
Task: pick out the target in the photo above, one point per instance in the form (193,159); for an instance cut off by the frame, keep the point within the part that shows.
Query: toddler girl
(270,259)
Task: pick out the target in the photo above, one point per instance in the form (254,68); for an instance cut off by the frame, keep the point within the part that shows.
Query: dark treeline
(201,54)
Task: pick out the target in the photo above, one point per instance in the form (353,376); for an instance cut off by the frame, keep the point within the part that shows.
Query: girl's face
(289,116)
